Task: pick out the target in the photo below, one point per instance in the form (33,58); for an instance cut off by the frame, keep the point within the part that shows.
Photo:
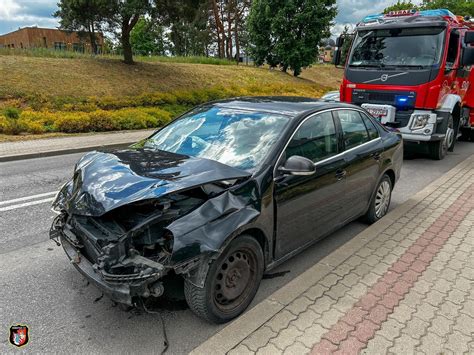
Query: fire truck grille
(381,97)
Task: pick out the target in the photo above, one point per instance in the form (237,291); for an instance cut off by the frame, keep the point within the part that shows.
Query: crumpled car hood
(104,181)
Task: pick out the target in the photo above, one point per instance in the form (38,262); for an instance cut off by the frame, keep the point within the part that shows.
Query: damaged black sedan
(221,195)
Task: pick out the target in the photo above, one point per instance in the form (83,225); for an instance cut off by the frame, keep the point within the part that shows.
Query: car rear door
(362,152)
(308,207)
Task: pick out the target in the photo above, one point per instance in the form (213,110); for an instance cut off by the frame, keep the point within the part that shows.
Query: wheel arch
(449,103)
(391,174)
(198,274)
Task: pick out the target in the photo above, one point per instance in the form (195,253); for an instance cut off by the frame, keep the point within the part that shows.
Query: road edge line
(239,329)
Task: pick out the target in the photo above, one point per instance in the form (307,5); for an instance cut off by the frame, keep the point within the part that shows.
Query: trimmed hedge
(74,122)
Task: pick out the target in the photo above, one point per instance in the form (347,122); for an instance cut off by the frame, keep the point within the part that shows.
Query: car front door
(362,153)
(308,207)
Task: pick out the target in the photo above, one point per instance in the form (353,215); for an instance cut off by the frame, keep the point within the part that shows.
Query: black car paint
(261,204)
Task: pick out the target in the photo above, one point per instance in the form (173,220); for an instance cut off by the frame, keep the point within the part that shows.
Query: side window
(353,128)
(373,133)
(316,139)
(453,48)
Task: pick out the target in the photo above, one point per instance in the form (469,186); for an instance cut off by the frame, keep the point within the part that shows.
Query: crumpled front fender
(204,233)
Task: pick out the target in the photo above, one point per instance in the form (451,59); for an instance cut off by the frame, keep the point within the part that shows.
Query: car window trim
(337,129)
(363,123)
(373,125)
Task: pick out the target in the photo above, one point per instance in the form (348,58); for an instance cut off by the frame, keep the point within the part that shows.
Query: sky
(21,13)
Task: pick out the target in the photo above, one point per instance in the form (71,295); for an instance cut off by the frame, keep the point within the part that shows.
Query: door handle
(375,155)
(340,174)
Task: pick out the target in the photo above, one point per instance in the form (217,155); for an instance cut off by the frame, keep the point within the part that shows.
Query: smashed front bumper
(124,288)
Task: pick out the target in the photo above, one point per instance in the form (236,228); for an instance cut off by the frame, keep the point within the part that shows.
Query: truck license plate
(377,112)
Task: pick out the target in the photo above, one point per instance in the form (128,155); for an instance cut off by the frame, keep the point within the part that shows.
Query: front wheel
(438,149)
(381,200)
(231,282)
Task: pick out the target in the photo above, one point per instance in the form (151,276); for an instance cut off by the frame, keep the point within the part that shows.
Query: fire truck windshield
(416,48)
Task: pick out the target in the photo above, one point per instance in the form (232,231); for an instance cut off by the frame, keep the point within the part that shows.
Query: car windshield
(408,47)
(234,137)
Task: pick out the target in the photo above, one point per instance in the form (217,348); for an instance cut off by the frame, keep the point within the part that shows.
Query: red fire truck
(413,70)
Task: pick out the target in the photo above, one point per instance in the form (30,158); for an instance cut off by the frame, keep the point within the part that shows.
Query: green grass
(51,53)
(42,94)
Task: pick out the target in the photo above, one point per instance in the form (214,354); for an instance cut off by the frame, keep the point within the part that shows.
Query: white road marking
(26,198)
(26,204)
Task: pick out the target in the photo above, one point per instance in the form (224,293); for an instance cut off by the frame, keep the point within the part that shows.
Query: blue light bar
(437,12)
(372,18)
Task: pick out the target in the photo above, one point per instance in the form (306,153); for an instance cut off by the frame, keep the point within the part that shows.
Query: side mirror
(467,56)
(469,37)
(298,166)
(338,51)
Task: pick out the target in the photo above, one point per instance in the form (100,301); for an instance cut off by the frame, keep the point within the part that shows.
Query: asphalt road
(38,286)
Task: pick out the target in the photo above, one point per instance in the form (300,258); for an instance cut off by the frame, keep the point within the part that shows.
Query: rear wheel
(231,282)
(381,200)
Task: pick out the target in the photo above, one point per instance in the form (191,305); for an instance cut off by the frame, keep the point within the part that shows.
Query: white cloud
(353,11)
(21,13)
(8,9)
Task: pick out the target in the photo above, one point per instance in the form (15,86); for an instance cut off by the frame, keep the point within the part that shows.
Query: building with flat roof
(35,37)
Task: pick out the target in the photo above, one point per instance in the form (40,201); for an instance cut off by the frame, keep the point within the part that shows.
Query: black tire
(455,127)
(236,272)
(438,150)
(374,214)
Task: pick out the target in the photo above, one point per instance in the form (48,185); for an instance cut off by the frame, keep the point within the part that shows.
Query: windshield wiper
(371,66)
(412,66)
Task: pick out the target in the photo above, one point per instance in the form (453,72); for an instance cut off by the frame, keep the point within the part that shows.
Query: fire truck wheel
(451,134)
(438,150)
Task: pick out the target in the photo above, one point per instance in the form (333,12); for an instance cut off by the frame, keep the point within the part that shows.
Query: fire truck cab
(413,70)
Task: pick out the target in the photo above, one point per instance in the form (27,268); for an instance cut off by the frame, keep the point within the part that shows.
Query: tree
(287,33)
(187,25)
(84,16)
(457,7)
(348,36)
(123,18)
(400,5)
(147,38)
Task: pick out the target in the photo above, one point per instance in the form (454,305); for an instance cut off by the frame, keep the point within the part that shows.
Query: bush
(12,112)
(148,110)
(72,122)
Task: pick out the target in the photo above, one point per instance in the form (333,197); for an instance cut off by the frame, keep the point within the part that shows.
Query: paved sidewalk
(64,145)
(405,285)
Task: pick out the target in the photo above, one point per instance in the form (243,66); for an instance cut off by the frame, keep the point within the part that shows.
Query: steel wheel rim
(382,199)
(449,137)
(234,281)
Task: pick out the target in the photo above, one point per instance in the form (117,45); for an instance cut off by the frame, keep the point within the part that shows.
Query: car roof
(286,105)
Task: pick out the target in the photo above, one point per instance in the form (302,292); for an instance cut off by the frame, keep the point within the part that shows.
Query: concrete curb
(242,327)
(13,157)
